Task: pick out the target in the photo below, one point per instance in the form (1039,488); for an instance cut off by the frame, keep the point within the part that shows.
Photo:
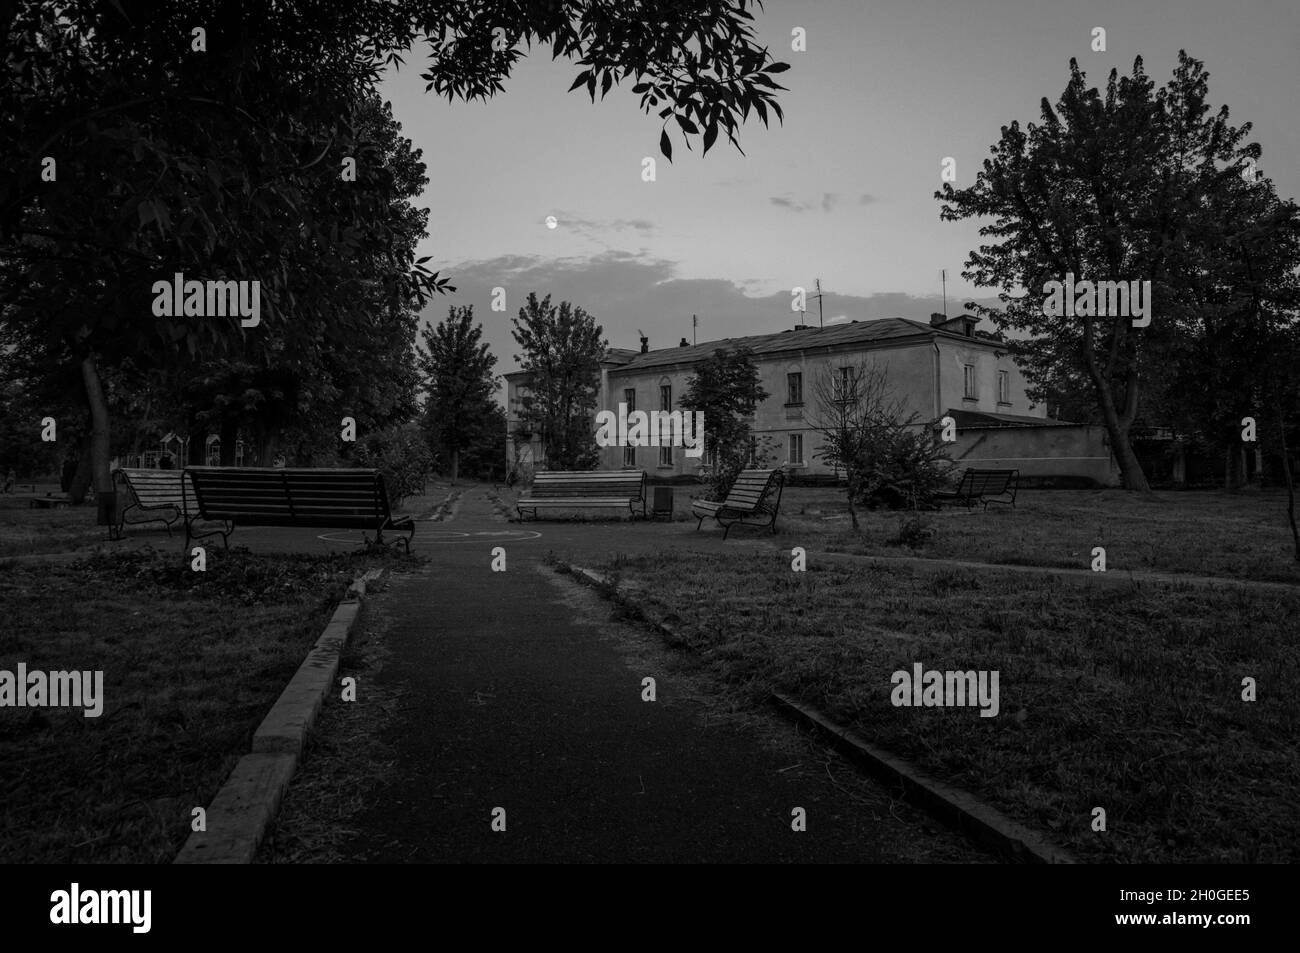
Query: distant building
(943,368)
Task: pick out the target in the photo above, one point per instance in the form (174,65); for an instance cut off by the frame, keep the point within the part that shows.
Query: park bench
(149,492)
(572,489)
(47,502)
(984,486)
(754,497)
(289,496)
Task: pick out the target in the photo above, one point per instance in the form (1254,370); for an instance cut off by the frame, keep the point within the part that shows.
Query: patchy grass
(24,530)
(1128,700)
(1239,535)
(192,662)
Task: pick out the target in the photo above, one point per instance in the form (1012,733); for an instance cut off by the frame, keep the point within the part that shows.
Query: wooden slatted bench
(754,497)
(573,489)
(290,496)
(984,486)
(149,492)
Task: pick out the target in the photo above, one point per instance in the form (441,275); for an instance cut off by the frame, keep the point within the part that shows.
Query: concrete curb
(945,802)
(238,817)
(951,805)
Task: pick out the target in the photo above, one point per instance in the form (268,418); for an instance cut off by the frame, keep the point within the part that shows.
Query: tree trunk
(1290,484)
(229,438)
(455,466)
(196,451)
(81,478)
(853,513)
(1129,468)
(99,438)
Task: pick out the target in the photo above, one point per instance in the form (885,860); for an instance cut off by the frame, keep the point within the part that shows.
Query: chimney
(937,319)
(645,344)
(685,343)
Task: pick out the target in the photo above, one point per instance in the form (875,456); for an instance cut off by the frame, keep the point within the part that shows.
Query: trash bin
(663,503)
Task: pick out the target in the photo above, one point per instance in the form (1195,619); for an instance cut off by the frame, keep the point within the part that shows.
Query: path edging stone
(244,807)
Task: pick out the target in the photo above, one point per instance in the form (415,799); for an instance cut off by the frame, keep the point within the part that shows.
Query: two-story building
(935,370)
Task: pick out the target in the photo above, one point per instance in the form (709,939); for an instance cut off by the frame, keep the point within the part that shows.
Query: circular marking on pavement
(443,536)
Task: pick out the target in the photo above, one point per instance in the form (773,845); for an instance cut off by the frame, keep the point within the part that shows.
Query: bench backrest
(981,482)
(751,489)
(572,484)
(153,488)
(289,495)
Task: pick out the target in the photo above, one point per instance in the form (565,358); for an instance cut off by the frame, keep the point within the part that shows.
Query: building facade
(944,368)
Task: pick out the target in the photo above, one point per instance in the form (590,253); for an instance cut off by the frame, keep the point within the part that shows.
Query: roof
(978,420)
(872,333)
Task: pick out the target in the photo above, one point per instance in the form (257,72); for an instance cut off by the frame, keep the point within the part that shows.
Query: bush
(901,469)
(401,454)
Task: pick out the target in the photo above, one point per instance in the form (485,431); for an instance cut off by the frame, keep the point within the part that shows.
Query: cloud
(866,198)
(626,291)
(597,228)
(827,202)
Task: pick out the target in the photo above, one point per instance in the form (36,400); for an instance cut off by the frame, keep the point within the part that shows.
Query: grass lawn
(25,530)
(191,664)
(1241,535)
(1126,700)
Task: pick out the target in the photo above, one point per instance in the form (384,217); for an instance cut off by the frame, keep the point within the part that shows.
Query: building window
(629,456)
(1004,387)
(794,388)
(629,398)
(968,381)
(665,397)
(845,382)
(666,455)
(796,448)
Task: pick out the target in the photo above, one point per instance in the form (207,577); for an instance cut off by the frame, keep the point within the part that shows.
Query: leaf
(687,125)
(582,78)
(146,211)
(710,134)
(777,68)
(605,83)
(665,146)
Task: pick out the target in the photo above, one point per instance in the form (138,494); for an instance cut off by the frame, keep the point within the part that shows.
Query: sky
(842,191)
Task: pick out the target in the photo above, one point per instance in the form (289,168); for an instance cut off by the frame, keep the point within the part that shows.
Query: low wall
(1074,451)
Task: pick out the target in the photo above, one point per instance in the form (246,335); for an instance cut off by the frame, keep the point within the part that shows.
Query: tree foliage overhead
(217,154)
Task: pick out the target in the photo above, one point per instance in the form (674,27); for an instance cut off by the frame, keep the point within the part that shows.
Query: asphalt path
(520,693)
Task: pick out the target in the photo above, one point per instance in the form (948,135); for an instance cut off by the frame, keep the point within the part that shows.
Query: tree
(888,459)
(1105,189)
(727,389)
(562,350)
(457,367)
(213,161)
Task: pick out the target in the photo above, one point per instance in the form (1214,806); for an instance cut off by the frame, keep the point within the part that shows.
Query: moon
(551,222)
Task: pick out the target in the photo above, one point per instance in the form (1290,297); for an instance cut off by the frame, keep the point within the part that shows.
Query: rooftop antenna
(943,276)
(820,319)
(695,323)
